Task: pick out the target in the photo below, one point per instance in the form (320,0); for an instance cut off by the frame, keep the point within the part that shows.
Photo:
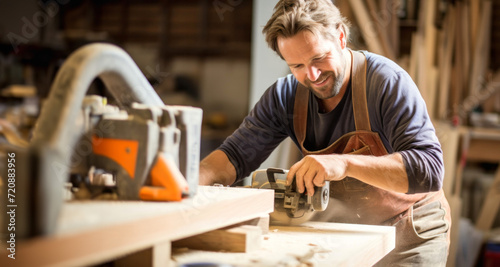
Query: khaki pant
(422,235)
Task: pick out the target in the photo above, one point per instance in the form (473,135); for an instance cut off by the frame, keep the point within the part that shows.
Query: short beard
(333,91)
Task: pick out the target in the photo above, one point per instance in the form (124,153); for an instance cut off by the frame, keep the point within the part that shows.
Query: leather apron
(353,201)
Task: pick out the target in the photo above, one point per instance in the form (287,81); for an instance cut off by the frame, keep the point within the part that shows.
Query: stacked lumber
(450,51)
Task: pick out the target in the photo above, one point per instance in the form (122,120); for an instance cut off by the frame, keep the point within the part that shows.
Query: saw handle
(168,183)
(270,176)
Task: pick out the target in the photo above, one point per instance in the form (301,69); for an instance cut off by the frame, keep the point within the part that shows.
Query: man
(360,123)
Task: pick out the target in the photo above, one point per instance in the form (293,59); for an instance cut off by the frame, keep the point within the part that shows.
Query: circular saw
(290,206)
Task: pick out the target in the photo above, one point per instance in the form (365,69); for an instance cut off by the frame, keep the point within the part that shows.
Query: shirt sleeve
(267,124)
(409,130)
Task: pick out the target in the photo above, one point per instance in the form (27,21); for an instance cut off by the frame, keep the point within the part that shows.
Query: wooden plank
(475,18)
(310,244)
(445,63)
(91,232)
(456,208)
(245,238)
(458,73)
(419,51)
(430,32)
(381,23)
(490,206)
(415,44)
(388,18)
(422,74)
(411,7)
(404,62)
(366,26)
(466,52)
(440,95)
(426,76)
(453,195)
(481,53)
(449,138)
(432,85)
(394,31)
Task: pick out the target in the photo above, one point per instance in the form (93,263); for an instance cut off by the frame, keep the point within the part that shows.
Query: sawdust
(304,260)
(323,250)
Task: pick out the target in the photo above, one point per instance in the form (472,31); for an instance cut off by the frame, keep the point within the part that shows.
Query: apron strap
(300,113)
(359,102)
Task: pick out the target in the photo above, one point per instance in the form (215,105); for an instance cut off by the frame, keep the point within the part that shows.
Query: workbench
(128,233)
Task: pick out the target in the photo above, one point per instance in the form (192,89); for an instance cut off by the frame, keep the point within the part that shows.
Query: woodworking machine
(138,148)
(290,206)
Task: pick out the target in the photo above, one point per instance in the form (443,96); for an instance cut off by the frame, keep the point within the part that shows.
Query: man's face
(316,62)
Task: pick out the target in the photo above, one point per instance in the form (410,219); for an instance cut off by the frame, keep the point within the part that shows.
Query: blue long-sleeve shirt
(397,112)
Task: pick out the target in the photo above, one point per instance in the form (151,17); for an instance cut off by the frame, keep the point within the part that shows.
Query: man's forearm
(216,168)
(386,172)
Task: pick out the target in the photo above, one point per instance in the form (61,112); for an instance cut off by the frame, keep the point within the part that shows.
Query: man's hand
(386,172)
(314,170)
